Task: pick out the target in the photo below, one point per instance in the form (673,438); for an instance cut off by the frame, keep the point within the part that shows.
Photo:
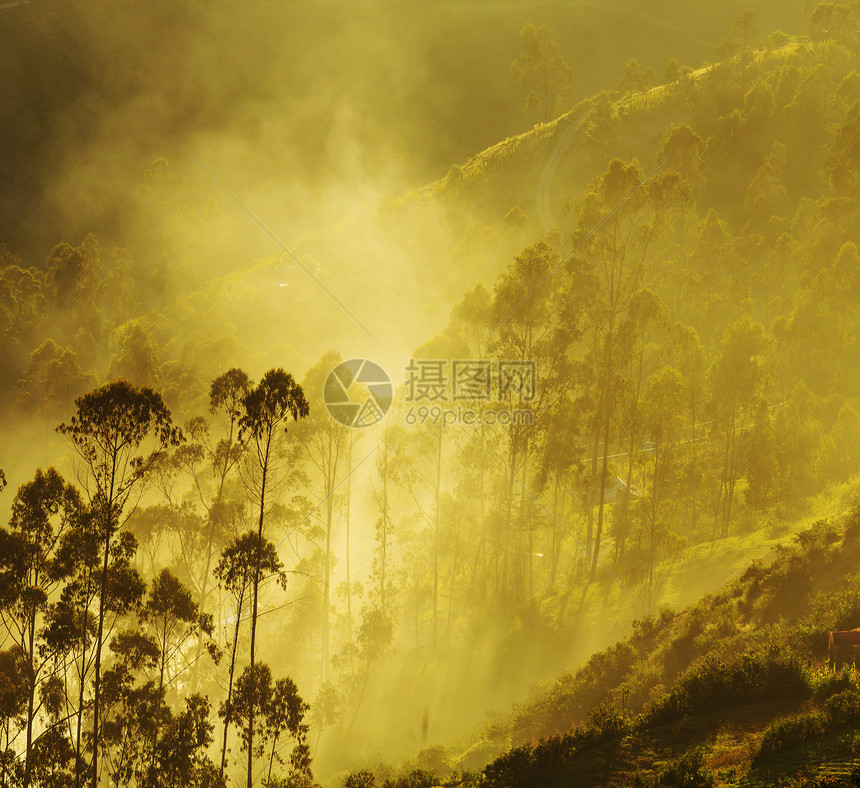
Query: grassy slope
(794,588)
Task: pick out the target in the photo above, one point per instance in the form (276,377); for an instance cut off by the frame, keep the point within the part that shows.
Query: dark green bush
(689,771)
(606,722)
(833,683)
(717,683)
(546,763)
(790,732)
(361,779)
(843,706)
(417,778)
(510,768)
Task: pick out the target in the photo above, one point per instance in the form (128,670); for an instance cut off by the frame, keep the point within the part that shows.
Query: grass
(723,674)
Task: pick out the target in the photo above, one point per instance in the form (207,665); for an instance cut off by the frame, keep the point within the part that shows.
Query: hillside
(732,690)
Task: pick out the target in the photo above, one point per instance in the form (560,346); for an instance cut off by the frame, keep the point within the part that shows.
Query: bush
(717,683)
(843,706)
(852,525)
(825,683)
(688,771)
(547,763)
(605,722)
(417,778)
(790,732)
(362,779)
(510,768)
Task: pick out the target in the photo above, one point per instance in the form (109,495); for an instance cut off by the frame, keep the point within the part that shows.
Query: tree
(761,461)
(639,333)
(53,378)
(113,426)
(326,444)
(218,450)
(688,356)
(23,295)
(93,289)
(538,311)
(391,467)
(599,129)
(446,347)
(180,753)
(635,79)
(13,703)
(843,158)
(619,220)
(29,573)
(735,377)
(682,152)
(132,711)
(834,21)
(541,69)
(745,29)
(73,619)
(663,412)
(279,709)
(560,468)
(239,561)
(136,359)
(225,399)
(285,714)
(266,410)
(174,618)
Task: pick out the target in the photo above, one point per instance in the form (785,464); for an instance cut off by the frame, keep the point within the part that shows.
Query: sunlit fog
(413,393)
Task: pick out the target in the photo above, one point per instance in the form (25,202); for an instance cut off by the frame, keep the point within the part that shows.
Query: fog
(206,185)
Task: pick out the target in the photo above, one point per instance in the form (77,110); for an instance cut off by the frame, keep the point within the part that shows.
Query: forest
(407,395)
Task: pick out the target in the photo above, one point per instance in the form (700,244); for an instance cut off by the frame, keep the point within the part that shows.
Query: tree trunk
(602,505)
(348,503)
(31,695)
(256,586)
(98,664)
(230,679)
(436,540)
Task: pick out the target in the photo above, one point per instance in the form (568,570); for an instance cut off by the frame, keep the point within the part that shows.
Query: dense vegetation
(676,256)
(733,687)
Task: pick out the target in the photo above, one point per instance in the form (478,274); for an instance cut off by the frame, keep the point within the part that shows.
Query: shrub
(571,698)
(843,706)
(790,732)
(852,525)
(546,763)
(606,722)
(717,683)
(510,768)
(362,779)
(689,771)
(417,778)
(825,682)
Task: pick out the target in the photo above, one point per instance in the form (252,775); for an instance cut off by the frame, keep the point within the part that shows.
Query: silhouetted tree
(266,410)
(109,431)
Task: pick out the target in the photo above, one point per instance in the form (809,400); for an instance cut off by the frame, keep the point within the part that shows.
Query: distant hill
(427,82)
